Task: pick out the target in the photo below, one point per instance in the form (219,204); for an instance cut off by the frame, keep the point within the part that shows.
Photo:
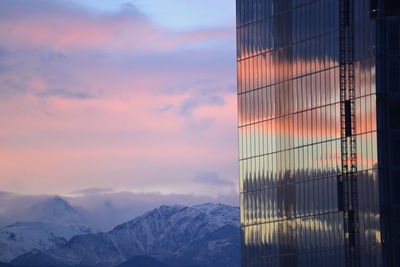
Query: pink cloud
(67,28)
(85,97)
(114,139)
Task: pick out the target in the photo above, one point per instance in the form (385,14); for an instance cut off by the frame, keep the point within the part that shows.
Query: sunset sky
(118,95)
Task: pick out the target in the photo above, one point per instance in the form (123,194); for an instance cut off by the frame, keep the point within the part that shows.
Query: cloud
(165,108)
(60,25)
(211,178)
(66,94)
(195,101)
(110,100)
(92,191)
(106,207)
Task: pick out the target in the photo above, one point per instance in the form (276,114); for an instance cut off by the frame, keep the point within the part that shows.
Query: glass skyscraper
(319,132)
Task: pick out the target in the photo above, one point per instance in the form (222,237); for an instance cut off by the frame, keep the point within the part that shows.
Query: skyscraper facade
(319,132)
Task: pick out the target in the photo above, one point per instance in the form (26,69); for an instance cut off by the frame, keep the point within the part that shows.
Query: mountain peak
(212,214)
(54,206)
(58,201)
(56,210)
(172,208)
(210,205)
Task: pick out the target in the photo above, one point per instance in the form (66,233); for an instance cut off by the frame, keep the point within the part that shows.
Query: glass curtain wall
(289,133)
(366,133)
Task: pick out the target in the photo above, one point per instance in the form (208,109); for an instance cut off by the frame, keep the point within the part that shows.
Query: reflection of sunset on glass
(318,144)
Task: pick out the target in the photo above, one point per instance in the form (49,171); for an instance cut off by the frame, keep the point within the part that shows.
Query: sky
(118,96)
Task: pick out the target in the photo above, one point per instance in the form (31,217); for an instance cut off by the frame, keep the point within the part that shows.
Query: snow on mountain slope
(52,223)
(165,230)
(22,237)
(167,234)
(142,261)
(221,214)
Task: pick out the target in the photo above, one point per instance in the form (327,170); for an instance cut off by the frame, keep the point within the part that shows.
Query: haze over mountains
(202,235)
(52,222)
(102,208)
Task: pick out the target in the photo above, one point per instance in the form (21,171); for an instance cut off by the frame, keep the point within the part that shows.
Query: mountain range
(206,235)
(54,222)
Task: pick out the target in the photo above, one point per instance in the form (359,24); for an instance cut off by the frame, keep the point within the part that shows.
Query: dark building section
(388,113)
(319,132)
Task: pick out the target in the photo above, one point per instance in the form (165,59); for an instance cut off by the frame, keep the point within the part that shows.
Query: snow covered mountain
(22,237)
(202,235)
(57,211)
(52,223)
